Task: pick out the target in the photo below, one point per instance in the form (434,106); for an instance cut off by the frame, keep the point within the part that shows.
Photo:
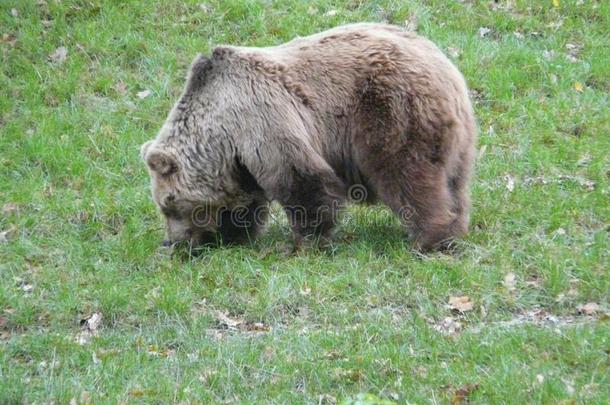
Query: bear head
(194,165)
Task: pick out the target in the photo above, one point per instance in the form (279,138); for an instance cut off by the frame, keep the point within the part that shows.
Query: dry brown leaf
(9,208)
(461,303)
(144,93)
(589,308)
(454,52)
(462,394)
(584,160)
(92,322)
(256,327)
(412,23)
(305,291)
(327,399)
(59,55)
(85,398)
(548,55)
(9,38)
(89,328)
(268,353)
(154,350)
(121,87)
(510,182)
(484,31)
(224,320)
(448,327)
(5,236)
(510,280)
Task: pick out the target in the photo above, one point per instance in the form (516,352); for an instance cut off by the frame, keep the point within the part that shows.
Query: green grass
(360,318)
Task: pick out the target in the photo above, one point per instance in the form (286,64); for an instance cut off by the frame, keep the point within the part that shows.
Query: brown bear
(365,107)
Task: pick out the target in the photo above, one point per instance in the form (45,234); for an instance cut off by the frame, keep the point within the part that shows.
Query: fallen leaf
(59,55)
(573,52)
(257,327)
(121,87)
(354,375)
(484,31)
(510,182)
(8,38)
(224,320)
(144,93)
(584,161)
(367,399)
(136,393)
(9,208)
(85,398)
(548,55)
(412,23)
(569,386)
(448,327)
(578,87)
(268,353)
(454,52)
(327,399)
(461,394)
(510,281)
(460,303)
(154,350)
(589,308)
(5,236)
(92,322)
(89,328)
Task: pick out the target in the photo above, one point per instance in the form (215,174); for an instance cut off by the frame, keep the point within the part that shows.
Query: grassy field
(84,83)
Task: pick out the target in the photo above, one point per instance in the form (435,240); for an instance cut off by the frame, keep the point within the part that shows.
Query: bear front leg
(243,224)
(312,203)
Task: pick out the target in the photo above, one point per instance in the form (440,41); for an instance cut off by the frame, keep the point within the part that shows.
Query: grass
(81,235)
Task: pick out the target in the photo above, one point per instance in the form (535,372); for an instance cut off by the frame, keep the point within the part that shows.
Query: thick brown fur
(300,123)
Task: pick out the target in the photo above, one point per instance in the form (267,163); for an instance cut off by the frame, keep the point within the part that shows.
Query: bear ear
(198,72)
(161,162)
(144,148)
